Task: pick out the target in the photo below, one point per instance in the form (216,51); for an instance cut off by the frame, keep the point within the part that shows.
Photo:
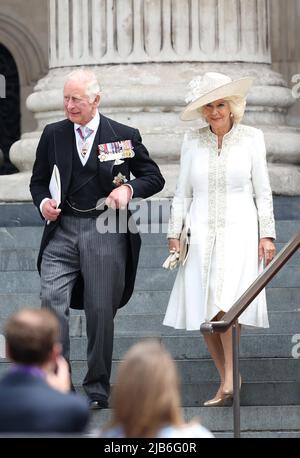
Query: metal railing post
(230,319)
(236,380)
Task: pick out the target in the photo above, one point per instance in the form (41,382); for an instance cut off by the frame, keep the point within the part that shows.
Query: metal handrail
(231,317)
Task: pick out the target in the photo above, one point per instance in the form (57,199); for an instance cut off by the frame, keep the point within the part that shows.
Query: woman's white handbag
(175,258)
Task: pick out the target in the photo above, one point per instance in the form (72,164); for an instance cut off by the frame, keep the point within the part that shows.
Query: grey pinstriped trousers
(101,259)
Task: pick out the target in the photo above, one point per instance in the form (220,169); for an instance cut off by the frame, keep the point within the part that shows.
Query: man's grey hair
(89,78)
(237,106)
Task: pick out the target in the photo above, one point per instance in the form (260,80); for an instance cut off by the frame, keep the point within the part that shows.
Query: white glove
(172,261)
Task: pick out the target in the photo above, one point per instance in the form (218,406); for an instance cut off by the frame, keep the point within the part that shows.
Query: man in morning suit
(34,393)
(95,157)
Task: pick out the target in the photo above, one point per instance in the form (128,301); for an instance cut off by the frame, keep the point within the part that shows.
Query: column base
(15,188)
(150,97)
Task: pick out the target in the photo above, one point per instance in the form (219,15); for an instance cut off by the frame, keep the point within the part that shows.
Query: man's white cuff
(42,203)
(129,185)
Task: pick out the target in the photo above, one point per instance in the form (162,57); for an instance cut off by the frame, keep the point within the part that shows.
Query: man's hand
(266,250)
(49,210)
(119,197)
(60,380)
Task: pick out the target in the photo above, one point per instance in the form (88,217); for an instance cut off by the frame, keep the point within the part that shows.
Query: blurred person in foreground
(224,191)
(34,393)
(146,397)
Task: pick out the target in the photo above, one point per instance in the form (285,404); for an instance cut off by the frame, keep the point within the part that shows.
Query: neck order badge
(83,137)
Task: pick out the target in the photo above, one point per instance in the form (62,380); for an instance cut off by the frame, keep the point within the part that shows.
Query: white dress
(229,200)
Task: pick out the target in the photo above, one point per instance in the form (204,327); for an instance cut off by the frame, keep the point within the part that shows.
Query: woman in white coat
(224,187)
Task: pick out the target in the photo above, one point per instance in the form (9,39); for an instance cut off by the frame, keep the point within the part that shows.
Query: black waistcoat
(85,188)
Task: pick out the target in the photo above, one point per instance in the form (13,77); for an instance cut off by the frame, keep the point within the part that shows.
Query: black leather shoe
(96,404)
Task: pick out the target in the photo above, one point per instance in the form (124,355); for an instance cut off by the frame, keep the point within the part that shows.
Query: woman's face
(217,114)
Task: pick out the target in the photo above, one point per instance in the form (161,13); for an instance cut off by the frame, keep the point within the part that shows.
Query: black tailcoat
(55,147)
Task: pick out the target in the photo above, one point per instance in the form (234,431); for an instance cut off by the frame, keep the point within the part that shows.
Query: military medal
(127,149)
(115,151)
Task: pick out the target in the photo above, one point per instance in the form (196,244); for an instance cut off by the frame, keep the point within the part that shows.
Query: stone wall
(158,46)
(24,32)
(30,17)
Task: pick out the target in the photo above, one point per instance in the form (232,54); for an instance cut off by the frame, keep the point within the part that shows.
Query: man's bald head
(30,336)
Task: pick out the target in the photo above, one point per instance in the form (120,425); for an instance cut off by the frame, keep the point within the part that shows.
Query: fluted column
(146,51)
(112,31)
(285,22)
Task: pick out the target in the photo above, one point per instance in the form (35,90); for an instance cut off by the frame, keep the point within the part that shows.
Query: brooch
(119,179)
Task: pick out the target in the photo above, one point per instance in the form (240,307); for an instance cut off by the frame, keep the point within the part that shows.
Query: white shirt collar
(93,124)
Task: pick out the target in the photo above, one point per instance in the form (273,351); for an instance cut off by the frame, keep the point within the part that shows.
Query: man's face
(77,106)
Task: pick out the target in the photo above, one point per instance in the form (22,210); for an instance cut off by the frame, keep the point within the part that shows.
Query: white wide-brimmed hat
(210,87)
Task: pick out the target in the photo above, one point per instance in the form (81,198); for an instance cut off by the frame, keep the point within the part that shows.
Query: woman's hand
(266,250)
(174,245)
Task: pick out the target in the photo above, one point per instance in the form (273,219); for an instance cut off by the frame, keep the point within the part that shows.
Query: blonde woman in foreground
(146,398)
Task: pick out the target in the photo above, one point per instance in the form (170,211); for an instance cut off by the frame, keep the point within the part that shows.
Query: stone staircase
(270,395)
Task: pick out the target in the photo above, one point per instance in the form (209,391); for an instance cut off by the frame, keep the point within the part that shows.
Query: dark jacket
(55,147)
(29,405)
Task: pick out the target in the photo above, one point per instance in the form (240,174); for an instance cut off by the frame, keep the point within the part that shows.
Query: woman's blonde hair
(146,395)
(237,106)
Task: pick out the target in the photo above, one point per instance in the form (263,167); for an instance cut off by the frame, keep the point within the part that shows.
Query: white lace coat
(229,200)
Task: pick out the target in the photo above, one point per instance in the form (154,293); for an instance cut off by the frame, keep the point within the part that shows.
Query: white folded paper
(55,186)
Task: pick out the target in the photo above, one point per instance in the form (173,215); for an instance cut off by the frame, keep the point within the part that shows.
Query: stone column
(145,52)
(285,20)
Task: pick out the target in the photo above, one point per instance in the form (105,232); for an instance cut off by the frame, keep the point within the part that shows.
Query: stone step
(195,388)
(258,420)
(193,347)
(157,279)
(203,370)
(286,207)
(294,260)
(26,214)
(252,394)
(152,302)
(253,370)
(18,259)
(286,322)
(285,230)
(280,323)
(30,236)
(20,237)
(149,302)
(19,214)
(19,282)
(24,259)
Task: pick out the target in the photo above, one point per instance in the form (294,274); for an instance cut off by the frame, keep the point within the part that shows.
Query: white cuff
(42,203)
(127,184)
